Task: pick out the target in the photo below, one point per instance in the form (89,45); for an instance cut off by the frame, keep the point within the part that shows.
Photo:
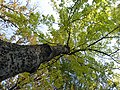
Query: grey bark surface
(15,59)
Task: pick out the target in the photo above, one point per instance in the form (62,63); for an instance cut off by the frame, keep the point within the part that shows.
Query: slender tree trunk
(15,59)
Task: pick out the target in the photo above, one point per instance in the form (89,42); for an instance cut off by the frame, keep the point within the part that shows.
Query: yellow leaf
(1,1)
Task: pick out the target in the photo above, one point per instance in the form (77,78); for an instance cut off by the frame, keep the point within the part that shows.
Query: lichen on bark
(15,59)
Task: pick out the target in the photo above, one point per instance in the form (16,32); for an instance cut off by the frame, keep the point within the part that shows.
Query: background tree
(92,32)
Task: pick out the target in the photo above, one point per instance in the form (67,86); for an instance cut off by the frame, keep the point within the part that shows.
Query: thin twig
(43,38)
(68,38)
(7,20)
(8,8)
(115,51)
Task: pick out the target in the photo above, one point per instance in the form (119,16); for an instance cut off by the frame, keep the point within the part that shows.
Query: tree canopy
(91,30)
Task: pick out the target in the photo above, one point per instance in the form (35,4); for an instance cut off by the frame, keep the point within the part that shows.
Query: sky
(45,7)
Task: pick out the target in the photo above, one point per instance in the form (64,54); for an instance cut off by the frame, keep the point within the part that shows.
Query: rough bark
(15,59)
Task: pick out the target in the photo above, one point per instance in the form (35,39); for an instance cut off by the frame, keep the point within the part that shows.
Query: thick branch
(89,50)
(104,36)
(98,51)
(15,59)
(75,51)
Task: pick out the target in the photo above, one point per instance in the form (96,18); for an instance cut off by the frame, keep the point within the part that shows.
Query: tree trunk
(15,59)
